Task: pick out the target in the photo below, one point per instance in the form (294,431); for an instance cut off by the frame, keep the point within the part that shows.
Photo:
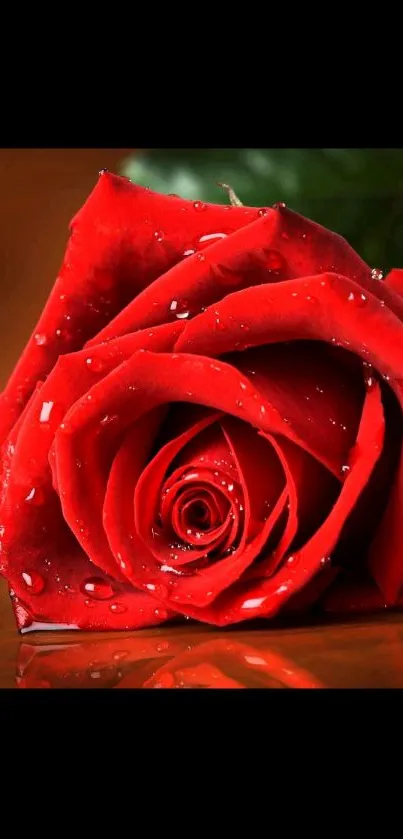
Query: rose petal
(266,597)
(280,246)
(394,280)
(313,390)
(123,238)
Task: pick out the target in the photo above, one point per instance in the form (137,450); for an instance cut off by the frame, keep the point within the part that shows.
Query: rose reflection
(166,660)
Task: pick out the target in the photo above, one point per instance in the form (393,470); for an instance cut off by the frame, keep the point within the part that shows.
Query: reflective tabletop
(366,652)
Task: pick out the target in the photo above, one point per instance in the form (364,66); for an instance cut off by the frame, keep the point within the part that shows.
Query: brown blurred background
(41,189)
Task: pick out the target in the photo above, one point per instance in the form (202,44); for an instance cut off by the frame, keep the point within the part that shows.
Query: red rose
(206,421)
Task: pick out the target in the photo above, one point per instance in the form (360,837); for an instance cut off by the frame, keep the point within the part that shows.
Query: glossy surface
(364,653)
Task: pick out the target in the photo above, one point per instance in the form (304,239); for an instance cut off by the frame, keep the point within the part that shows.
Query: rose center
(199,515)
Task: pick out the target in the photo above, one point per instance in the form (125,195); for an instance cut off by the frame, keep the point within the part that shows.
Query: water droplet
(376,274)
(290,560)
(239,403)
(46,411)
(189,252)
(161,614)
(262,212)
(180,309)
(89,603)
(97,588)
(162,646)
(358,299)
(61,333)
(118,608)
(280,205)
(34,582)
(40,339)
(199,206)
(150,586)
(107,419)
(159,235)
(253,603)
(219,324)
(369,382)
(345,469)
(262,409)
(210,238)
(325,560)
(35,497)
(103,172)
(96,365)
(120,655)
(201,257)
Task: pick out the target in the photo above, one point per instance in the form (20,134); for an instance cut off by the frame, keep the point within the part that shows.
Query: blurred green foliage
(356,192)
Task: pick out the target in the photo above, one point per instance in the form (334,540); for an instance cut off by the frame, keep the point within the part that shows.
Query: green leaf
(356,192)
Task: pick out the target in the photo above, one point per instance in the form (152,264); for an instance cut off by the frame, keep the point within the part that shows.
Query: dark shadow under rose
(227,443)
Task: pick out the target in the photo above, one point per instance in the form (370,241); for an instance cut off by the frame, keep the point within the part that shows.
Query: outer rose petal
(35,538)
(122,239)
(394,280)
(72,377)
(326,307)
(280,246)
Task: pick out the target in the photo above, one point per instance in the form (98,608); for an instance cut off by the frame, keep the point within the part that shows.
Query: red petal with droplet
(112,255)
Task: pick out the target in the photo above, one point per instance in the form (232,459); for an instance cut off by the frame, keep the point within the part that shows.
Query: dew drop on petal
(279,205)
(46,411)
(33,582)
(40,339)
(376,274)
(108,419)
(210,238)
(199,206)
(158,235)
(97,588)
(35,497)
(96,365)
(118,608)
(253,603)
